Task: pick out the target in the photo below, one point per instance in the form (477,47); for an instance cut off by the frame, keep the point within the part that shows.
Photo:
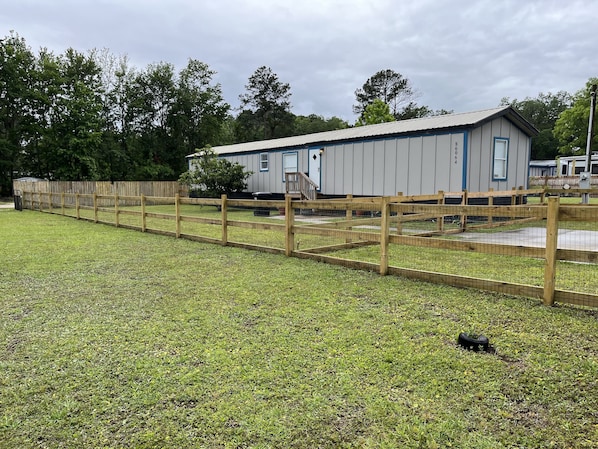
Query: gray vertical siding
(481,154)
(271,180)
(412,165)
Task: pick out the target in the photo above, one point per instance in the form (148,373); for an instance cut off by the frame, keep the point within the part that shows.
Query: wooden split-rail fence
(356,222)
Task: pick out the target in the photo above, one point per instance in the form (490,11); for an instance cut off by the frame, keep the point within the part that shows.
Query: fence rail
(124,189)
(559,182)
(324,230)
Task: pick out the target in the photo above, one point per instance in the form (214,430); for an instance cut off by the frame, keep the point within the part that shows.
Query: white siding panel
(338,171)
(368,168)
(378,162)
(428,167)
(483,177)
(523,158)
(402,167)
(275,175)
(415,166)
(348,182)
(390,166)
(357,183)
(443,165)
(475,165)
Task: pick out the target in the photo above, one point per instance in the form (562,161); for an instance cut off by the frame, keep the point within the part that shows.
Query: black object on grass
(474,342)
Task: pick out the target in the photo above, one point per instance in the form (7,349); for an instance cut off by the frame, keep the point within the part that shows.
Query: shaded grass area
(114,338)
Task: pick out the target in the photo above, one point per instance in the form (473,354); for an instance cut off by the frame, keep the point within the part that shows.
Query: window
(289,163)
(263,161)
(501,151)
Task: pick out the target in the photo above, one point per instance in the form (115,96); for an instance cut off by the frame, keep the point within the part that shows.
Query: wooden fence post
(552,229)
(520,196)
(440,218)
(62,202)
(39,202)
(349,214)
(77,210)
(513,202)
(143,218)
(177,213)
(116,211)
(50,201)
(490,204)
(399,216)
(384,232)
(464,202)
(289,219)
(224,210)
(95,207)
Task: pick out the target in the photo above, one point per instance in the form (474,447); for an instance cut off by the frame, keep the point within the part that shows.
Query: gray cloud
(459,54)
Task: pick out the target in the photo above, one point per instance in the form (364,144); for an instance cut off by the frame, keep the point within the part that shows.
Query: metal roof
(543,163)
(418,125)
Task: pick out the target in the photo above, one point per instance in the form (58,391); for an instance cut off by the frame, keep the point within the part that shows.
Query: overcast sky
(460,55)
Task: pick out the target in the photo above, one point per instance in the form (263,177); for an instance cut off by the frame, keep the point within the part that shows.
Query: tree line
(94,116)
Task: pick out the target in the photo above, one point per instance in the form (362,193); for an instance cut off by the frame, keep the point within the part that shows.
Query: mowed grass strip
(115,338)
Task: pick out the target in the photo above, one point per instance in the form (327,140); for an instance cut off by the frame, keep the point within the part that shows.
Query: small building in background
(543,168)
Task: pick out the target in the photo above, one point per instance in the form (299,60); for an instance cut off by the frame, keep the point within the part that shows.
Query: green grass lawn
(112,338)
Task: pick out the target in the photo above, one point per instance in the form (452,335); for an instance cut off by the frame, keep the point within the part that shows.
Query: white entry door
(315,166)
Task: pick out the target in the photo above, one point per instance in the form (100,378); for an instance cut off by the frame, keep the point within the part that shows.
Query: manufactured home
(476,151)
(574,165)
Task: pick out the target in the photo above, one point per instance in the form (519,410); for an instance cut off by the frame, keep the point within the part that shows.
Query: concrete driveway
(536,237)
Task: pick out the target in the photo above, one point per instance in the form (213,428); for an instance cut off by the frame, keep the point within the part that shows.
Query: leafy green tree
(76,122)
(228,130)
(316,123)
(151,96)
(571,128)
(37,151)
(388,86)
(543,113)
(212,177)
(412,110)
(67,107)
(198,113)
(114,159)
(247,127)
(268,102)
(93,116)
(375,112)
(17,77)
(159,116)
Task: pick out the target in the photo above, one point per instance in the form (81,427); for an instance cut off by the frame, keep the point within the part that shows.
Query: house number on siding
(456,152)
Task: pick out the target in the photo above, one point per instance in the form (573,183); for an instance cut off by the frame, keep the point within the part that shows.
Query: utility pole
(586,176)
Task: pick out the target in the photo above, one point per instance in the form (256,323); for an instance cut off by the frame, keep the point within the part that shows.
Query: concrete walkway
(536,237)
